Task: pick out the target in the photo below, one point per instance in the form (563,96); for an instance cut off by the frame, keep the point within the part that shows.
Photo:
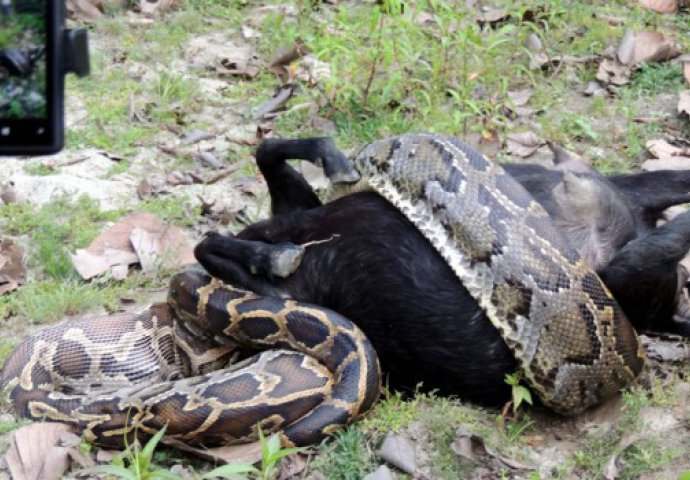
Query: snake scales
(571,339)
(573,343)
(130,375)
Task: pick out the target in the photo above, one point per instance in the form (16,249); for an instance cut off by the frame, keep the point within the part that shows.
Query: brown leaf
(684,103)
(469,446)
(523,144)
(250,185)
(114,246)
(155,7)
(611,471)
(666,349)
(492,16)
(89,265)
(292,466)
(594,89)
(12,269)
(520,98)
(208,159)
(286,56)
(196,136)
(8,194)
(646,46)
(612,72)
(165,247)
(84,10)
(667,163)
(36,453)
(661,6)
(248,452)
(217,53)
(661,148)
(276,103)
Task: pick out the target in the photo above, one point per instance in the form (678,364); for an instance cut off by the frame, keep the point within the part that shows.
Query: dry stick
(317,242)
(372,70)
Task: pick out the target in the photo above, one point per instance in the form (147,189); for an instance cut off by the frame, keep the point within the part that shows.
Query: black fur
(378,270)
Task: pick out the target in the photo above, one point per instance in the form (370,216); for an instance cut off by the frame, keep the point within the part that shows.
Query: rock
(399,452)
(381,473)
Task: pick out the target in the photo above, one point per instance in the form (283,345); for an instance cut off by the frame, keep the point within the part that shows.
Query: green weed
(55,229)
(346,456)
(271,455)
(393,413)
(136,464)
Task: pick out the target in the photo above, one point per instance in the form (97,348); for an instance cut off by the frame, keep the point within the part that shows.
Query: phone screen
(28,75)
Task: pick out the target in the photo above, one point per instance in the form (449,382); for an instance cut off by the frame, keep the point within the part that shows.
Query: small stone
(399,452)
(381,473)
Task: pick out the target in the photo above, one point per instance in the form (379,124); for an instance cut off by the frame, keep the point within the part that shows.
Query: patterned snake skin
(572,341)
(130,375)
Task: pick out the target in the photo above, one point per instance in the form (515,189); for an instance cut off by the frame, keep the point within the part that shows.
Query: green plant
(519,392)
(271,454)
(136,464)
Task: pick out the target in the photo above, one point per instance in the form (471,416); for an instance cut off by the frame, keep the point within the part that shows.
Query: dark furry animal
(375,268)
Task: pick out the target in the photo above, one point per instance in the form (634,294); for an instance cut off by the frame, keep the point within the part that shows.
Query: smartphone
(31,77)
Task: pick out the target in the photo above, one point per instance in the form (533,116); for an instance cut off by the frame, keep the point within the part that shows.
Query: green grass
(56,229)
(348,455)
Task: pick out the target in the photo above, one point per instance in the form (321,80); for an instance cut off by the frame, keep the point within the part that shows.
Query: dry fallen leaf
(275,103)
(89,265)
(84,10)
(661,148)
(217,53)
(12,269)
(684,103)
(594,89)
(667,163)
(661,6)
(612,72)
(612,471)
(286,56)
(492,16)
(520,98)
(155,7)
(248,452)
(292,466)
(36,452)
(469,446)
(523,144)
(114,247)
(666,348)
(639,47)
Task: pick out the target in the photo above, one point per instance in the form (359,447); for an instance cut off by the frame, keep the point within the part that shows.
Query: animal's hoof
(285,259)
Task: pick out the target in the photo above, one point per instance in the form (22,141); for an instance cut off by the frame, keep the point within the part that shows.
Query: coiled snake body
(165,367)
(572,341)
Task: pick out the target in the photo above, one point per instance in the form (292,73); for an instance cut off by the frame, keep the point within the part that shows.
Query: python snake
(125,376)
(572,341)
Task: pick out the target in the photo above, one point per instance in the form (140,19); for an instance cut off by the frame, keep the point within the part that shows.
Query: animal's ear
(569,161)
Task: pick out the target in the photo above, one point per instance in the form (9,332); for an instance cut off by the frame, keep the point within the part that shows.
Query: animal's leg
(246,262)
(288,189)
(653,192)
(645,279)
